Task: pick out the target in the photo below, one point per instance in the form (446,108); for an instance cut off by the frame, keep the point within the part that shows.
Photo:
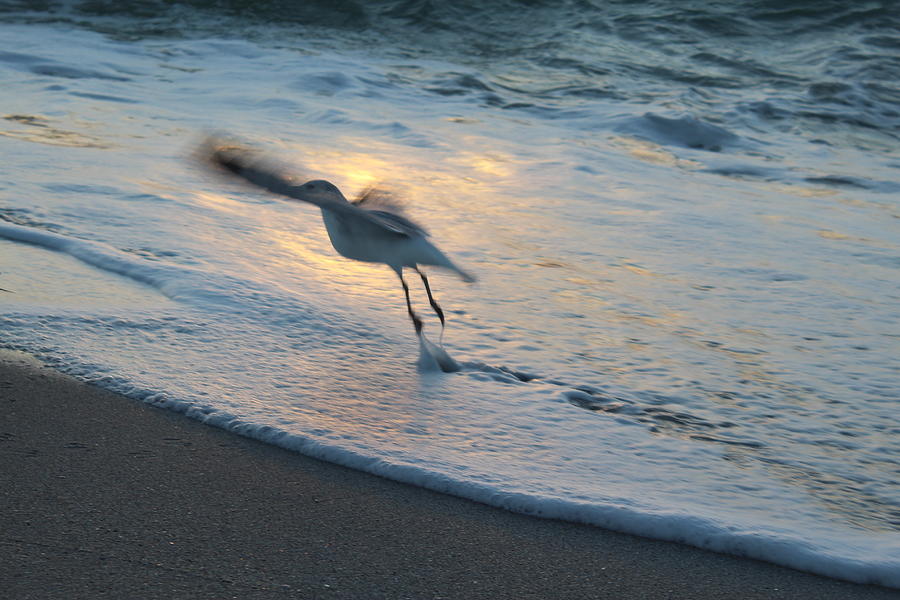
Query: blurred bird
(371,228)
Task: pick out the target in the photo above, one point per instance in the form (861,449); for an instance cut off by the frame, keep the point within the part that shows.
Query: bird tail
(463,274)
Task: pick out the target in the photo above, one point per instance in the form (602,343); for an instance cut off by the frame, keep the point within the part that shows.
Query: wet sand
(103,497)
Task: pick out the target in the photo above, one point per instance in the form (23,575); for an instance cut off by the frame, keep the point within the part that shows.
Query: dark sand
(103,497)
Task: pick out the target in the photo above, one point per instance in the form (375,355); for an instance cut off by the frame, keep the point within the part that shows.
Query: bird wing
(388,207)
(374,197)
(397,223)
(253,167)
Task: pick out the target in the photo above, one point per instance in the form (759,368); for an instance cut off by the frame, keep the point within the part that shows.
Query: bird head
(322,189)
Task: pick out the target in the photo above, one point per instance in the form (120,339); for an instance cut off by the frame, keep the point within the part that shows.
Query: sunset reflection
(368,279)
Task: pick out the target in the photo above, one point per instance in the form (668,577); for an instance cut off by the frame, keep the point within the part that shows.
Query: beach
(104,497)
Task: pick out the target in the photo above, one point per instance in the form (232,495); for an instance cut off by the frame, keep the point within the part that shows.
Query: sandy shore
(103,497)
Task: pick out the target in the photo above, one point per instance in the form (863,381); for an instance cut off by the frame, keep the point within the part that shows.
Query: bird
(370,228)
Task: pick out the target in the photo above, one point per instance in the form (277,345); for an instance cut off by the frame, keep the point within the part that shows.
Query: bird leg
(434,304)
(417,322)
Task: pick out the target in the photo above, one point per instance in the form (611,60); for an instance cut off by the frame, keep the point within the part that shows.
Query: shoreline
(106,497)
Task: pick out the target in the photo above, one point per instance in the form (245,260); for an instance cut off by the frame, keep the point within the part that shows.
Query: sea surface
(684,218)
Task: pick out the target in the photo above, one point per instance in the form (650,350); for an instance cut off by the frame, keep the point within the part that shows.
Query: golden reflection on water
(805,191)
(640,270)
(648,151)
(493,163)
(363,161)
(38,129)
(829,234)
(368,279)
(221,202)
(351,172)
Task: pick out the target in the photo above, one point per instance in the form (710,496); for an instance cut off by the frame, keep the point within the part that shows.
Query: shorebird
(371,228)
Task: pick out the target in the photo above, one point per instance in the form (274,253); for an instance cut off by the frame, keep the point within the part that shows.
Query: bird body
(368,241)
(369,229)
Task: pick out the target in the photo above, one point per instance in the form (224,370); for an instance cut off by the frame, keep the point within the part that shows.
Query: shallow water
(684,224)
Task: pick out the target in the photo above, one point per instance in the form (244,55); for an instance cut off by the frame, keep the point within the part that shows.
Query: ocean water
(683,217)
